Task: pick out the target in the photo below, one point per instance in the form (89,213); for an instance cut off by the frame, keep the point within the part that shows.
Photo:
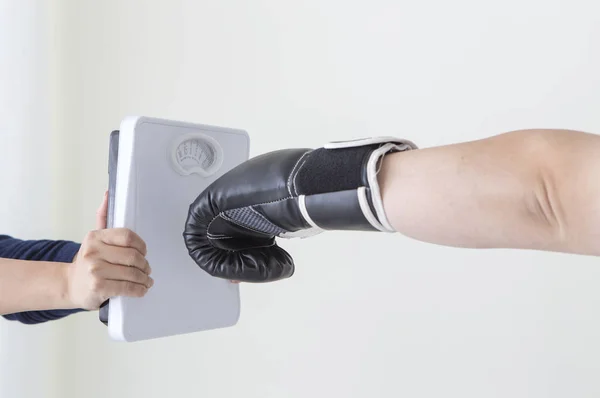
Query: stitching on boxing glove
(211,221)
(231,220)
(224,217)
(218,236)
(296,175)
(255,204)
(251,219)
(289,183)
(251,208)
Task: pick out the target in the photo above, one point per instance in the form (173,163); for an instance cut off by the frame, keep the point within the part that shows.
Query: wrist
(63,286)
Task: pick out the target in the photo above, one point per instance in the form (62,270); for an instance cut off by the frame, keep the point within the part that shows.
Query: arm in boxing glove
(232,225)
(514,190)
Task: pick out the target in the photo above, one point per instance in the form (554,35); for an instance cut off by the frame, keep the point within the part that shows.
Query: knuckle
(128,237)
(89,254)
(135,289)
(134,258)
(140,260)
(135,275)
(95,268)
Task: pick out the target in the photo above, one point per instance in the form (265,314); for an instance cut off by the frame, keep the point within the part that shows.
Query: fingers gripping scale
(232,226)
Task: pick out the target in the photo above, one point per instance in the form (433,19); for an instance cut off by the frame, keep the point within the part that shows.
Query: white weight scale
(157,168)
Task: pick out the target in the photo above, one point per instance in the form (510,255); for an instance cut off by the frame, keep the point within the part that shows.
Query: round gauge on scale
(196,153)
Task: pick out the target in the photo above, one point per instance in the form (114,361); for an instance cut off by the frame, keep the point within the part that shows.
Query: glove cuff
(337,185)
(372,170)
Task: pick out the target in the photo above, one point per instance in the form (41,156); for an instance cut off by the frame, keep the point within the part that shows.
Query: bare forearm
(515,190)
(32,285)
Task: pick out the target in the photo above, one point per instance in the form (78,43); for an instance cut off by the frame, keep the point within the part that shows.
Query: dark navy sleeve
(38,250)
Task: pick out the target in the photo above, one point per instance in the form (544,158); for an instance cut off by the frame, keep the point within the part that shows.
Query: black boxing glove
(232,225)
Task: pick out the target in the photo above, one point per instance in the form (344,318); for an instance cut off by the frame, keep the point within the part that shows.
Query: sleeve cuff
(68,252)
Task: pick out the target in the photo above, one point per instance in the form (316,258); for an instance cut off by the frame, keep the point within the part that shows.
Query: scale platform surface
(157,168)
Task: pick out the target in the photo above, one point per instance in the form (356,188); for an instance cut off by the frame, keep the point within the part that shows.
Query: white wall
(28,105)
(365,315)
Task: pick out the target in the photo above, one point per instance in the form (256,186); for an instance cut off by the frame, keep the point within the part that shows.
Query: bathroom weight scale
(157,168)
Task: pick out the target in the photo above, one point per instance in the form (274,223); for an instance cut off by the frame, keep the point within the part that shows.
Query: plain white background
(366,315)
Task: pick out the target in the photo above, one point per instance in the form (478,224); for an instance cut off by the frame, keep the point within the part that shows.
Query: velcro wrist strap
(327,174)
